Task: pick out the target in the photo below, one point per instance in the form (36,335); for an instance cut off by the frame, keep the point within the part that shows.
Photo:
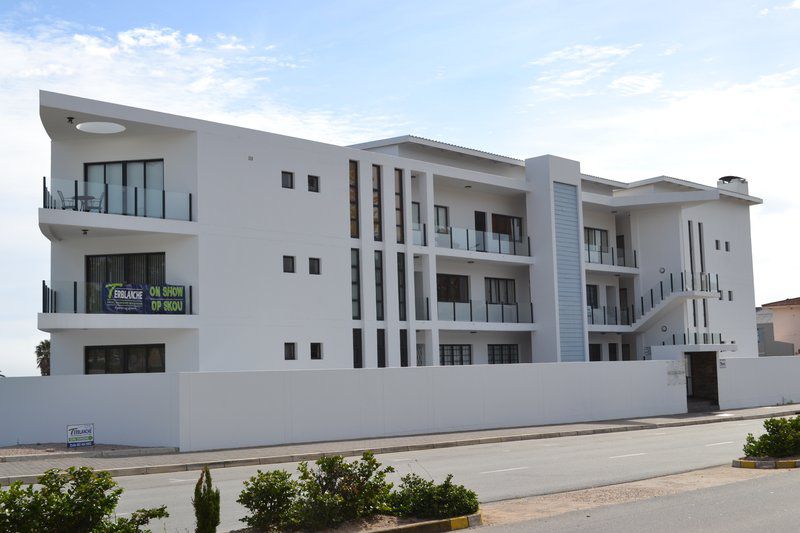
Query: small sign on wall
(723,363)
(80,435)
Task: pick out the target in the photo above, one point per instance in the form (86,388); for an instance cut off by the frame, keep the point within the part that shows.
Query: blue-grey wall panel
(568,264)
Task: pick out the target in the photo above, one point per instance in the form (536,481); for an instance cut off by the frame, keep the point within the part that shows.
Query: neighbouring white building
(778,326)
(181,245)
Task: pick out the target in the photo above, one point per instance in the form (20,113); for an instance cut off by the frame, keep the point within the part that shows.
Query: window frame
(290,351)
(442,229)
(380,299)
(399,211)
(126,348)
(377,202)
(293,265)
(464,354)
(315,266)
(505,287)
(354,207)
(445,292)
(502,354)
(401,286)
(313,183)
(315,346)
(355,282)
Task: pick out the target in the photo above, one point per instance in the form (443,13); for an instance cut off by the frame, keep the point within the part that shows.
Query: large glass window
(507,225)
(442,218)
(358,356)
(401,284)
(377,217)
(146,269)
(381,348)
(355,282)
(354,199)
(133,187)
(379,315)
(596,239)
(125,359)
(455,354)
(502,354)
(452,288)
(398,205)
(501,291)
(287,180)
(592,300)
(403,347)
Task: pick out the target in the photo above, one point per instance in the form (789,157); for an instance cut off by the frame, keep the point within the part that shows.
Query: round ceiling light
(100,127)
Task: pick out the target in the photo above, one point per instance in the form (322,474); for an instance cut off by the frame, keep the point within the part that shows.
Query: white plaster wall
(786,323)
(462,204)
(758,381)
(133,409)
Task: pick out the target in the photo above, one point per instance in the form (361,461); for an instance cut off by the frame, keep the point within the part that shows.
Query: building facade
(182,245)
(778,326)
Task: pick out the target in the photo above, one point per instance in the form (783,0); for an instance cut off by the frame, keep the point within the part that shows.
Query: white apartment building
(181,245)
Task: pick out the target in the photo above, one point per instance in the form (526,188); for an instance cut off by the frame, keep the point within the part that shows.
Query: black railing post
(529,245)
(190,207)
(502,314)
(514,247)
(467,230)
(635,260)
(105,199)
(136,201)
(605,319)
(470,311)
(44,192)
(75,208)
(671,283)
(642,301)
(673,338)
(517,307)
(44,297)
(531,304)
(613,259)
(661,284)
(191,308)
(163,204)
(652,300)
(450,231)
(74,296)
(427,308)
(717,281)
(683,283)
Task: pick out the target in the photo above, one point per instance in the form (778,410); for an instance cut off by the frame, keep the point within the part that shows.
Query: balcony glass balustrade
(480,311)
(481,241)
(91,197)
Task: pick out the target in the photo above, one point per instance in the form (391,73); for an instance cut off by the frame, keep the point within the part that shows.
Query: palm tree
(43,357)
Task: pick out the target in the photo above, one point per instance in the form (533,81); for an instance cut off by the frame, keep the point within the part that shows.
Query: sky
(632,89)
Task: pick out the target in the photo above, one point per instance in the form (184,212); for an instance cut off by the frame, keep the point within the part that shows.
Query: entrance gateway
(702,389)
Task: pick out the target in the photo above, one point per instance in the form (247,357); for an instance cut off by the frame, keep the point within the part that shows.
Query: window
(287,180)
(452,288)
(442,218)
(355,283)
(378,285)
(401,284)
(503,354)
(127,181)
(595,352)
(313,183)
(381,348)
(716,244)
(377,218)
(127,359)
(591,297)
(358,357)
(596,239)
(730,296)
(316,350)
(455,354)
(612,351)
(500,291)
(354,199)
(147,269)
(289,351)
(507,225)
(314,266)
(403,347)
(727,246)
(398,205)
(288,263)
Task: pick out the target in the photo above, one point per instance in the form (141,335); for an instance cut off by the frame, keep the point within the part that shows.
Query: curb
(353,452)
(131,452)
(435,526)
(768,464)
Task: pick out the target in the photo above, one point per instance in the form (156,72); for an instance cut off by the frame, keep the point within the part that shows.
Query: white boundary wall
(207,410)
(758,381)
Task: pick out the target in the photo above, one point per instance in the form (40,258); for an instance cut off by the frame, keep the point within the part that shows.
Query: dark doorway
(612,351)
(595,352)
(480,231)
(701,381)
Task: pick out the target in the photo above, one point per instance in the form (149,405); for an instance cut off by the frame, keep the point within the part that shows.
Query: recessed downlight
(101,127)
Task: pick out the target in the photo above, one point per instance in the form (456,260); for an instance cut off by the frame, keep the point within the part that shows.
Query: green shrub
(271,498)
(422,498)
(206,504)
(337,491)
(77,499)
(781,439)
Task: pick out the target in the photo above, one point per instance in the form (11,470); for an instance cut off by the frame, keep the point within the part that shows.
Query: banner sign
(80,435)
(144,299)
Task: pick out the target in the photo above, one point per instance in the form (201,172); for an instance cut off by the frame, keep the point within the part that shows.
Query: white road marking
(661,433)
(627,455)
(720,443)
(175,480)
(401,460)
(505,470)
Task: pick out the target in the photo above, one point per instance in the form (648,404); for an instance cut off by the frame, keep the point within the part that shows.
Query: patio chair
(65,203)
(97,204)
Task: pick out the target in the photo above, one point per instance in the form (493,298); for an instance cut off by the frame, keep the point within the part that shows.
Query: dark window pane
(288,263)
(155,359)
(95,360)
(137,359)
(287,180)
(115,360)
(316,350)
(354,199)
(314,265)
(289,351)
(313,183)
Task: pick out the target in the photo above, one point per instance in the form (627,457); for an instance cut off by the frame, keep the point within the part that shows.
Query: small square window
(289,351)
(288,263)
(716,244)
(727,246)
(316,350)
(730,296)
(287,180)
(313,183)
(314,266)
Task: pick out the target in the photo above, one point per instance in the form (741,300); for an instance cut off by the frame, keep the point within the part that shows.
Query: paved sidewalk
(27,471)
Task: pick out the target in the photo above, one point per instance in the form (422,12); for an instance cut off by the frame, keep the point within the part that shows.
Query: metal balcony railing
(609,256)
(481,241)
(91,297)
(90,197)
(480,311)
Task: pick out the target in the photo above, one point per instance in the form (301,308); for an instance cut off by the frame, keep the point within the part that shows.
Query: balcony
(598,255)
(481,241)
(116,298)
(419,234)
(479,311)
(91,197)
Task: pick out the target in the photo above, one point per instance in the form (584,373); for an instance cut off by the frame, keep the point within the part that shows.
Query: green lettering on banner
(155,291)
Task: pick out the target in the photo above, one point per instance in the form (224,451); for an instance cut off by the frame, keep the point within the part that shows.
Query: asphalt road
(495,471)
(767,504)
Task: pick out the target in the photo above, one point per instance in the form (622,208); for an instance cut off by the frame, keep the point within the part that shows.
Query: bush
(77,499)
(270,498)
(422,498)
(781,439)
(206,504)
(337,491)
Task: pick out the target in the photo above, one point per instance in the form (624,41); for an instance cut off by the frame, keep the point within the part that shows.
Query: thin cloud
(636,84)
